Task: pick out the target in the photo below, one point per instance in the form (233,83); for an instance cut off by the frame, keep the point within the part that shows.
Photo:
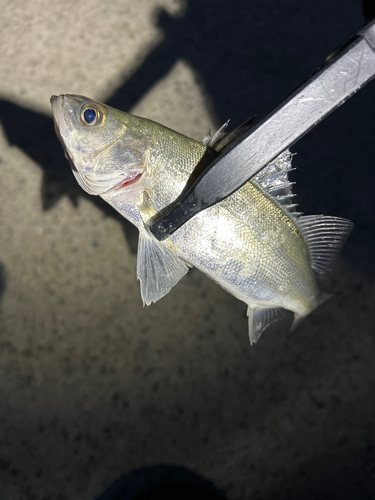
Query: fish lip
(62,121)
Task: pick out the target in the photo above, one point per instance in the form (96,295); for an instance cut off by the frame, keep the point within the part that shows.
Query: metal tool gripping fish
(345,72)
(254,244)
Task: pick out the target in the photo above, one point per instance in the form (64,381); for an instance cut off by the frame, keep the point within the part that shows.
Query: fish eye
(89,115)
(92,114)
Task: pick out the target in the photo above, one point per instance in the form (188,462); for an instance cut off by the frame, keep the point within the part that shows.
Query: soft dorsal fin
(158,266)
(274,178)
(324,236)
(260,318)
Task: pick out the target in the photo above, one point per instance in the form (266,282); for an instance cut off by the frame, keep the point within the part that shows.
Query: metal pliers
(345,72)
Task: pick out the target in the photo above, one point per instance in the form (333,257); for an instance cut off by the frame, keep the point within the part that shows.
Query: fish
(254,244)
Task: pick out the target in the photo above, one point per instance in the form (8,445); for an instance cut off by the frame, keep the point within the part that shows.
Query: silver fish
(254,244)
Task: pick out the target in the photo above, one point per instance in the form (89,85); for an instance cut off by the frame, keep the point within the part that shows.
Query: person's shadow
(167,482)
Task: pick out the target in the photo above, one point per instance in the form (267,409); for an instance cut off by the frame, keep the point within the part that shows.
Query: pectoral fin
(158,266)
(260,318)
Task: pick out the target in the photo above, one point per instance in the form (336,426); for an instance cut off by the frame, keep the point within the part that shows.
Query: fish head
(105,147)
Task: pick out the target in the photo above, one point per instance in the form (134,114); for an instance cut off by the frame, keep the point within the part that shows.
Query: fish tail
(325,237)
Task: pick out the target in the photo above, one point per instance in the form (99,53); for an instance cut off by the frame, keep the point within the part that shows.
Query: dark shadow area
(2,281)
(368,9)
(347,475)
(247,58)
(35,135)
(168,482)
(335,173)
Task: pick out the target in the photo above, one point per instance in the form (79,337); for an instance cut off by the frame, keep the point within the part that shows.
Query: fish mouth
(63,122)
(60,122)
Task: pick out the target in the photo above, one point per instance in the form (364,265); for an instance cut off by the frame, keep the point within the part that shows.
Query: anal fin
(260,318)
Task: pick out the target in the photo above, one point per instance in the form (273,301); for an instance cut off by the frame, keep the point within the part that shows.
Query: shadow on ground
(343,476)
(168,482)
(347,475)
(36,137)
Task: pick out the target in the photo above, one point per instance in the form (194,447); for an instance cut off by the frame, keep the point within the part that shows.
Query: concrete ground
(102,398)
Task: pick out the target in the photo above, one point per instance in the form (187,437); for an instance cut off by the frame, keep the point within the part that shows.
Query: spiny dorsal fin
(225,140)
(324,236)
(260,318)
(274,178)
(211,140)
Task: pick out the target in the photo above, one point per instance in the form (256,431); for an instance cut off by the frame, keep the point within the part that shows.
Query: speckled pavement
(102,398)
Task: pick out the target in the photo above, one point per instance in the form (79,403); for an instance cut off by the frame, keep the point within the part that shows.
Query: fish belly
(252,248)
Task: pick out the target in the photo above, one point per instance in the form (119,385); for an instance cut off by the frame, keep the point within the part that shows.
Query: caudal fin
(325,237)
